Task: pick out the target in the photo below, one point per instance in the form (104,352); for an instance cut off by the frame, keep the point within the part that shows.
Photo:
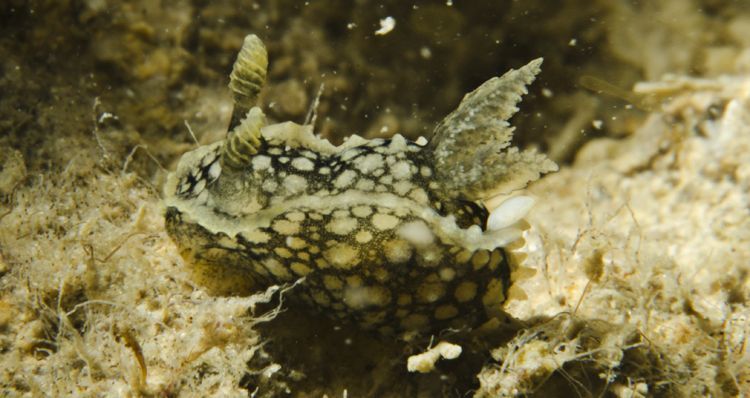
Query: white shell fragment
(386,26)
(425,362)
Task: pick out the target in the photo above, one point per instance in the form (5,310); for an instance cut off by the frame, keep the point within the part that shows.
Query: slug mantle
(390,234)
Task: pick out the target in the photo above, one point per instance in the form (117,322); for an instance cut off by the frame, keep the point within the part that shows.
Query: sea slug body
(389,234)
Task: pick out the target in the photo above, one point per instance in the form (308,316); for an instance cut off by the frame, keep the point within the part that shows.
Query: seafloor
(634,280)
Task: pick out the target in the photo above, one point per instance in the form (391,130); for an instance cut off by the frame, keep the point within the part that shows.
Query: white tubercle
(509,212)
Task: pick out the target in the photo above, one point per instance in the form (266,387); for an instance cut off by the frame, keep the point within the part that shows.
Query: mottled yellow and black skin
(389,234)
(357,224)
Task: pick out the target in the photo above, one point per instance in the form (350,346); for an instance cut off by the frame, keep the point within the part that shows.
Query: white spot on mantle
(303,164)
(417,233)
(295,184)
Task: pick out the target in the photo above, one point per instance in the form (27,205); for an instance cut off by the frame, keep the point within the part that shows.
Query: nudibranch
(390,234)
